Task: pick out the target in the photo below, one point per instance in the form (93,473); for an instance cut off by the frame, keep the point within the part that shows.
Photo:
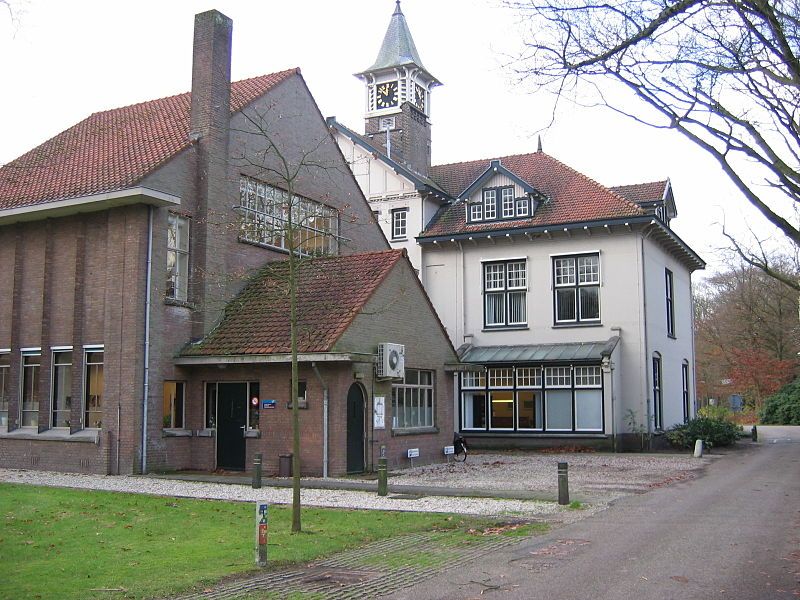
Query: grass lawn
(61,544)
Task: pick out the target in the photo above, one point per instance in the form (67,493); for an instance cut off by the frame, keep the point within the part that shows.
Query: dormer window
(499,203)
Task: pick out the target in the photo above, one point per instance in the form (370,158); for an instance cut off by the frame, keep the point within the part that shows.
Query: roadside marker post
(563,484)
(262,532)
(257,471)
(383,487)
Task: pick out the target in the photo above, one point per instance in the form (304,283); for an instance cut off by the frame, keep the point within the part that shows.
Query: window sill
(176,432)
(506,328)
(573,325)
(252,433)
(672,337)
(181,303)
(416,431)
(207,433)
(60,434)
(400,239)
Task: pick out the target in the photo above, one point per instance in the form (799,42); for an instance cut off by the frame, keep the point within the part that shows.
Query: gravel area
(309,497)
(595,475)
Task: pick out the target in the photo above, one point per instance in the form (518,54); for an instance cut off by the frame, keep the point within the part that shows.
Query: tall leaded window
(507,201)
(178,257)
(658,403)
(271,218)
(576,286)
(61,394)
(505,286)
(399,223)
(93,383)
(489,204)
(5,377)
(412,400)
(29,407)
(670,302)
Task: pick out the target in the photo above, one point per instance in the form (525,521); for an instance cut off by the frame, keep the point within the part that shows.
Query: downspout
(648,358)
(146,386)
(324,419)
(693,383)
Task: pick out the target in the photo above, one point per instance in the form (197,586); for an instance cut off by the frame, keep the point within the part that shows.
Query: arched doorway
(355,429)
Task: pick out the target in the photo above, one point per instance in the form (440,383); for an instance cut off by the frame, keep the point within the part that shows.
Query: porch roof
(575,351)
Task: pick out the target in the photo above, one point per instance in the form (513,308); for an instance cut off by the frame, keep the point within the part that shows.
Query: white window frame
(85,395)
(669,296)
(475,211)
(508,202)
(53,369)
(575,283)
(657,373)
(399,223)
(24,353)
(510,287)
(489,204)
(5,386)
(419,396)
(178,273)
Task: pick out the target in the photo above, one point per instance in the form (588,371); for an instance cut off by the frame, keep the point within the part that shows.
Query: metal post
(257,471)
(262,532)
(754,433)
(382,473)
(563,484)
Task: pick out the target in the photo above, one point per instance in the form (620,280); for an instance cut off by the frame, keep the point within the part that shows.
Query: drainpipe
(146,387)
(648,358)
(324,419)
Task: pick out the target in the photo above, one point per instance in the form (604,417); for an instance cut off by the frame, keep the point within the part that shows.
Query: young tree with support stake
(725,74)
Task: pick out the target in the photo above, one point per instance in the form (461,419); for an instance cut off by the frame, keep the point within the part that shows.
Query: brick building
(126,239)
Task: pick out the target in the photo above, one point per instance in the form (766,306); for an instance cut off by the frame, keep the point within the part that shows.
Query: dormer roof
(496,167)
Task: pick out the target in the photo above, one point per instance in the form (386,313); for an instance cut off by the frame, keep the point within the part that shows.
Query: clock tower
(398,89)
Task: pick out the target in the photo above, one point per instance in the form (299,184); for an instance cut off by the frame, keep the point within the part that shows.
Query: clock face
(419,97)
(386,95)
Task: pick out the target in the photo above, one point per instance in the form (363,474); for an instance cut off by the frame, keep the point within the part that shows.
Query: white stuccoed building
(570,302)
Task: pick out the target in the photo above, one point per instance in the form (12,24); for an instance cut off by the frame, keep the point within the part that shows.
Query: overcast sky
(62,61)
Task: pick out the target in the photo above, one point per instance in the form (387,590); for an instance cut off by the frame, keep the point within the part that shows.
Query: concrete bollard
(257,471)
(698,449)
(754,433)
(563,484)
(383,487)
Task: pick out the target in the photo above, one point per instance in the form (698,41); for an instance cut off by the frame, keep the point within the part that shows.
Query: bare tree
(723,73)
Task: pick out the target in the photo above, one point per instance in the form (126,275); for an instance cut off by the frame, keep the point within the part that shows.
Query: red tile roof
(573,197)
(331,292)
(114,149)
(642,192)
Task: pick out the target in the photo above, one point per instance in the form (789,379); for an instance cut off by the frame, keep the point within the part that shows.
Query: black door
(355,429)
(231,424)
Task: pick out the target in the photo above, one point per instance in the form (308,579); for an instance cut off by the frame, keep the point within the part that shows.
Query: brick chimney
(209,127)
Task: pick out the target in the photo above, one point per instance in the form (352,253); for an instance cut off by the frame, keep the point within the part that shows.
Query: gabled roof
(573,197)
(113,149)
(398,48)
(331,292)
(497,168)
(421,183)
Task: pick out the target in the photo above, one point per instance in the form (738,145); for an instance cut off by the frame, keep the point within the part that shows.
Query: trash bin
(285,465)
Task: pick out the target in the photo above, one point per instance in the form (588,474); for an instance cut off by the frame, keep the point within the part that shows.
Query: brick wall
(410,138)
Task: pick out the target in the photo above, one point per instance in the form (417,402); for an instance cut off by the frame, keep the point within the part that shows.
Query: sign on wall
(379,412)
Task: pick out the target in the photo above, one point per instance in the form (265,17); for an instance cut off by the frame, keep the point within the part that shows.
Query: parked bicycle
(459,447)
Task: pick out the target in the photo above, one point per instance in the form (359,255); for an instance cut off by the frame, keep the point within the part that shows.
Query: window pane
(589,269)
(502,416)
(507,195)
(565,304)
(522,207)
(490,204)
(559,409)
(495,309)
(473,409)
(529,408)
(61,400)
(30,390)
(5,374)
(516,308)
(501,378)
(494,276)
(476,212)
(473,379)
(529,377)
(558,377)
(253,409)
(93,401)
(516,274)
(564,271)
(589,409)
(590,303)
(588,377)
(211,405)
(412,400)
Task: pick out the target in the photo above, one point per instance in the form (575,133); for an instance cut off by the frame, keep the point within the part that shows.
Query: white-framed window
(413,400)
(270,218)
(399,223)
(61,391)
(93,384)
(174,404)
(29,405)
(5,386)
(658,403)
(507,200)
(505,288)
(490,204)
(576,288)
(668,293)
(177,257)
(523,207)
(476,211)
(530,398)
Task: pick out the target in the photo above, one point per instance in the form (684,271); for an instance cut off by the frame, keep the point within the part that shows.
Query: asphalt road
(732,533)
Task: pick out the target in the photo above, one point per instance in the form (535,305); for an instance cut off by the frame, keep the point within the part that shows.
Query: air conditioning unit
(391,360)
